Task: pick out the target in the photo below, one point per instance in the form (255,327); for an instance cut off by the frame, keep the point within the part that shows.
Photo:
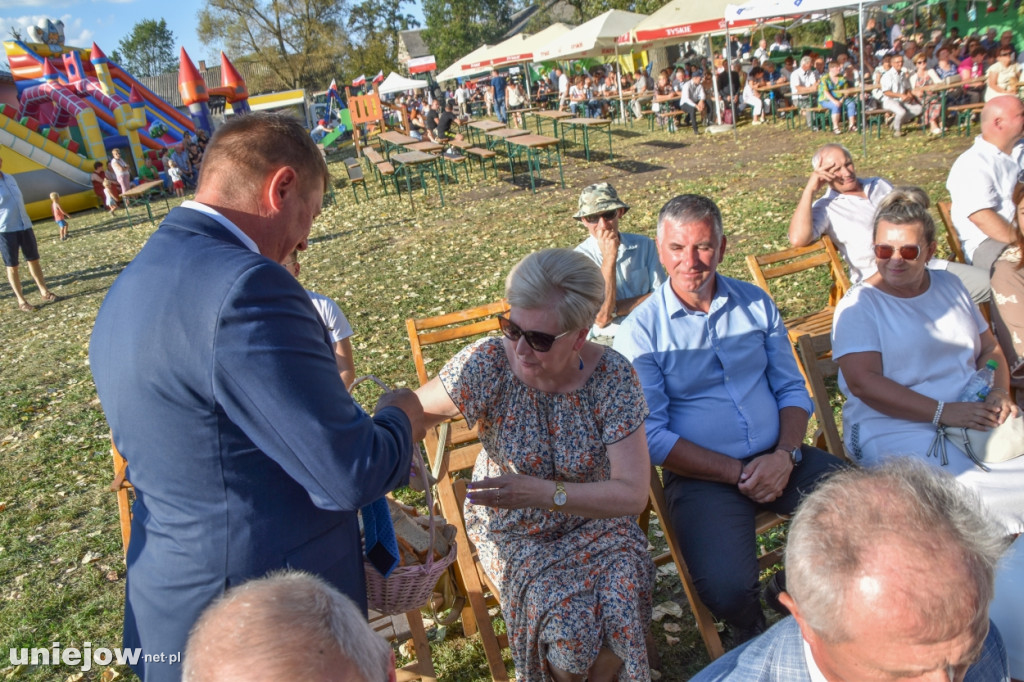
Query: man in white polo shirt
(804,83)
(846,214)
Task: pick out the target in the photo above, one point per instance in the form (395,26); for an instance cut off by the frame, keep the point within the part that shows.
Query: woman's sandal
(26,307)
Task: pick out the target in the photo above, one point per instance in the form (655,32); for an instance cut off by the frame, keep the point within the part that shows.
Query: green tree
(299,41)
(457,27)
(373,28)
(148,50)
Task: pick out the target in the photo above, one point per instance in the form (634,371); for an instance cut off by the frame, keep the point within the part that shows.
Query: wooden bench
(355,177)
(482,154)
(788,114)
(875,118)
(964,116)
(381,166)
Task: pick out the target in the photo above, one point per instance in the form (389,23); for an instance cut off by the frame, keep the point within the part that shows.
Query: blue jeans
(500,110)
(851,108)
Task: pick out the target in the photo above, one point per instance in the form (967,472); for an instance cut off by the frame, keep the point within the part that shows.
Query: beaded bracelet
(938,414)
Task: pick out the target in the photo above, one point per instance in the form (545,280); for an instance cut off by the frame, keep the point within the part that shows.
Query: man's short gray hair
(816,159)
(805,60)
(282,627)
(691,208)
(904,502)
(564,278)
(905,206)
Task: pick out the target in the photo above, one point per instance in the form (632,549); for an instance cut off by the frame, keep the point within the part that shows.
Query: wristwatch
(796,455)
(559,499)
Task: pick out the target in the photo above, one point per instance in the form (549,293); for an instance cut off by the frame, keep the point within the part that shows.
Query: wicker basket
(408,587)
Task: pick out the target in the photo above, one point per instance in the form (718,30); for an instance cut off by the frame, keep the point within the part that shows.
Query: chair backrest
(814,351)
(769,266)
(452,449)
(124,490)
(952,236)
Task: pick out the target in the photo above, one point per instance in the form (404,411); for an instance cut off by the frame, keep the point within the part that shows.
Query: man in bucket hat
(629,262)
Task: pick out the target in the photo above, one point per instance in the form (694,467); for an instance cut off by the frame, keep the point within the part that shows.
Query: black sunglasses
(907,251)
(607,215)
(539,341)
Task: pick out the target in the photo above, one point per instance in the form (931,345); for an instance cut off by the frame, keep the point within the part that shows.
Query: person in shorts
(16,233)
(59,216)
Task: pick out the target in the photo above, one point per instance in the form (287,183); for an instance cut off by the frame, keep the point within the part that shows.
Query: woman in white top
(908,340)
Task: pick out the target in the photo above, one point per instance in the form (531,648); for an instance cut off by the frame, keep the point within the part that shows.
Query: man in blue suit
(221,390)
(889,576)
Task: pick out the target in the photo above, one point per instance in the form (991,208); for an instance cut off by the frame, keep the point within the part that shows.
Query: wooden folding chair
(764,521)
(814,351)
(452,449)
(364,109)
(778,264)
(393,628)
(956,249)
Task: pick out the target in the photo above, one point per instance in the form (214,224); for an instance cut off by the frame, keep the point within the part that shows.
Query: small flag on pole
(359,81)
(379,78)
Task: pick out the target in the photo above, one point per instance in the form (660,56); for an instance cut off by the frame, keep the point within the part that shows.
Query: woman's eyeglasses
(907,251)
(607,215)
(539,341)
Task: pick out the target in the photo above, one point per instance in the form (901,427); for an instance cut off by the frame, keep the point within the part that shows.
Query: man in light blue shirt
(728,406)
(629,262)
(16,234)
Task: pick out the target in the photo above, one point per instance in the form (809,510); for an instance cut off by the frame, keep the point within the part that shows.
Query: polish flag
(359,81)
(379,78)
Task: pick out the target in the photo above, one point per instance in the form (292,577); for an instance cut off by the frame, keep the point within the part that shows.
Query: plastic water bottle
(980,384)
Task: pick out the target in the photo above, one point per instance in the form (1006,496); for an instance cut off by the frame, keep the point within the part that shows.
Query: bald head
(288,626)
(1002,122)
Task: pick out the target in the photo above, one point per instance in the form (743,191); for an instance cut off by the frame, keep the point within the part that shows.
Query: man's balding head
(288,626)
(1002,122)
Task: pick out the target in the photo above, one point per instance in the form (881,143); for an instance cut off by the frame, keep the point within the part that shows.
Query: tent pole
(714,77)
(728,68)
(860,40)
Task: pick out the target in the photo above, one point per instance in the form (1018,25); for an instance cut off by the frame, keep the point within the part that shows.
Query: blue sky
(106,22)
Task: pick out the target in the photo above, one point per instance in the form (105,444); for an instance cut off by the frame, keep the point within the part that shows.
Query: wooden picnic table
(943,89)
(586,124)
(531,145)
(141,192)
(502,135)
(477,127)
(553,115)
(425,146)
(393,140)
(407,161)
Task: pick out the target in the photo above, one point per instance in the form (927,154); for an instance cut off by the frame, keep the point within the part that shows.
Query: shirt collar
(813,671)
(675,307)
(227,224)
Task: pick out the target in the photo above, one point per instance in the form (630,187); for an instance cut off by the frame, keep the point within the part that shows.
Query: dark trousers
(694,115)
(714,523)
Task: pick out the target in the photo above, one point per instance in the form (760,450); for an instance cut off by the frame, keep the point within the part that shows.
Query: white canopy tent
(765,9)
(679,20)
(396,83)
(487,57)
(455,70)
(525,51)
(595,39)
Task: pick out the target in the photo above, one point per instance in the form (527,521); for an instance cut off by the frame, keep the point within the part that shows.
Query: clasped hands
(764,478)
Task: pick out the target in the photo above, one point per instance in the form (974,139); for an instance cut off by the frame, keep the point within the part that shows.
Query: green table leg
(586,140)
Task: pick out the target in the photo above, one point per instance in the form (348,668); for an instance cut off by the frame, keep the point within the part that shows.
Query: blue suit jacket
(778,656)
(247,453)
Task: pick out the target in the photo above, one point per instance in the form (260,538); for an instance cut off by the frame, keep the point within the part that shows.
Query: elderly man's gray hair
(905,503)
(691,208)
(816,159)
(286,626)
(805,60)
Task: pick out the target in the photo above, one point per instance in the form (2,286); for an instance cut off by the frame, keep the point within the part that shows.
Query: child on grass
(109,195)
(176,178)
(59,216)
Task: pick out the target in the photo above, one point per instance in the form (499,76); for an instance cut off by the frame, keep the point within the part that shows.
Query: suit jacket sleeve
(275,377)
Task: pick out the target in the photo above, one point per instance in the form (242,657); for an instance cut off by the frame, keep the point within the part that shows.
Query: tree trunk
(838,29)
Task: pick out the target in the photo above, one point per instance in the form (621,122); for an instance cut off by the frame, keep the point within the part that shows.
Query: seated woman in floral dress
(562,477)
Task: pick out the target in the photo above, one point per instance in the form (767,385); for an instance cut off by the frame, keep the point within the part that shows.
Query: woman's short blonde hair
(905,206)
(560,278)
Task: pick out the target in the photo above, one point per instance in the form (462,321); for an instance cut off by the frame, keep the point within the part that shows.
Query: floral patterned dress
(569,585)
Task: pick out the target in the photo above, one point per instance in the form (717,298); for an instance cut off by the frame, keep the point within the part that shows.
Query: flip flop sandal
(51,297)
(26,307)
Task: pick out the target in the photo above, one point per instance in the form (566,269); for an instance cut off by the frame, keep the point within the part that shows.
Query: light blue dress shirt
(13,217)
(637,271)
(717,379)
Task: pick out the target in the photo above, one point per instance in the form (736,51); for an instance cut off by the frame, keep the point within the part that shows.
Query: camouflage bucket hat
(598,199)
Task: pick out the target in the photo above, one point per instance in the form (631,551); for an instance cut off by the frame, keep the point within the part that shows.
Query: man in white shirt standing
(563,88)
